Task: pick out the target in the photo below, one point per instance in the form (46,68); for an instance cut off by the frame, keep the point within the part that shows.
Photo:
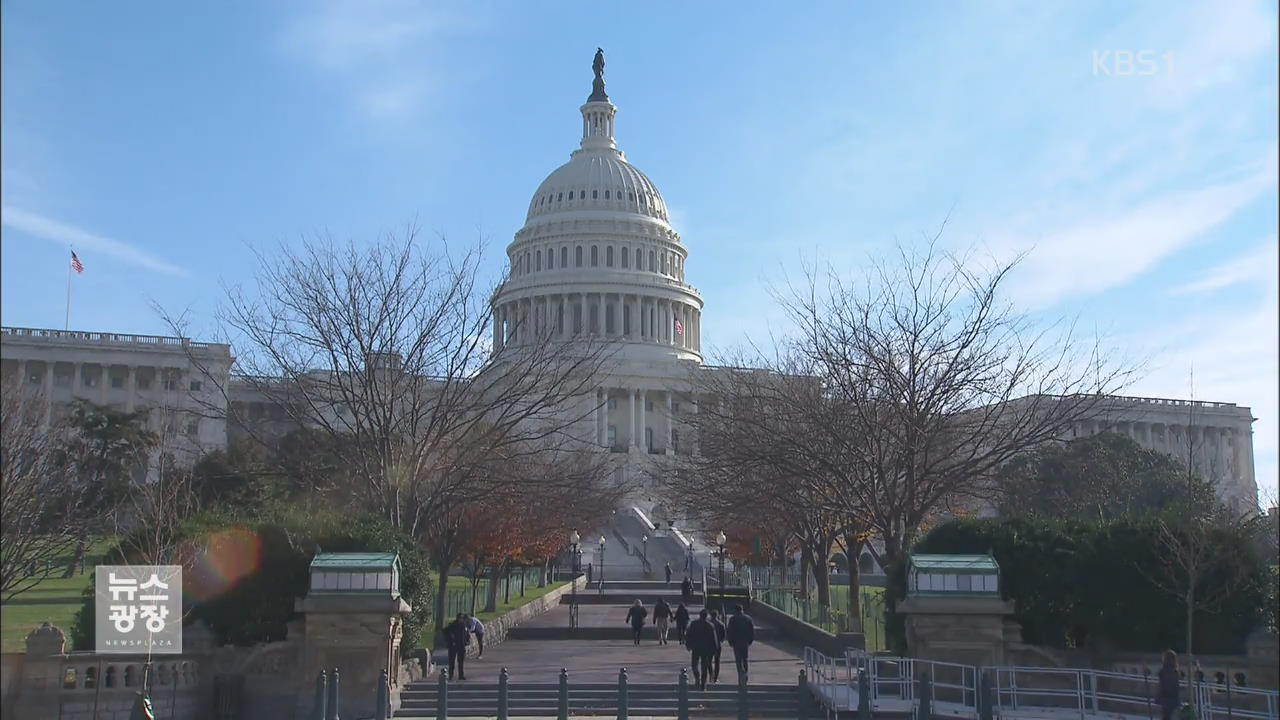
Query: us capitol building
(597,256)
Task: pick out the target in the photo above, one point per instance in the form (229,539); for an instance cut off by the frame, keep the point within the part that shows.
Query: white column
(76,379)
(582,303)
(497,323)
(602,412)
(600,315)
(671,421)
(104,379)
(643,423)
(132,385)
(631,418)
(48,391)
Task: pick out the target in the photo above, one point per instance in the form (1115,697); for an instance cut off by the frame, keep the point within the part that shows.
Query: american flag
(679,327)
(75,262)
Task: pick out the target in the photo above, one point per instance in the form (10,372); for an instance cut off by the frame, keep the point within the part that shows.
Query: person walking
(686,590)
(720,634)
(701,640)
(589,573)
(740,633)
(682,622)
(636,616)
(666,568)
(456,639)
(1169,687)
(661,619)
(475,627)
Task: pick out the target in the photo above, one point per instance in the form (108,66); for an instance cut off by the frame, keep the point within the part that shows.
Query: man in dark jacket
(661,619)
(740,633)
(636,616)
(682,622)
(456,638)
(686,590)
(701,640)
(720,633)
(666,568)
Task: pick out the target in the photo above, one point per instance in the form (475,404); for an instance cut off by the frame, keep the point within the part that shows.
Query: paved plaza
(597,661)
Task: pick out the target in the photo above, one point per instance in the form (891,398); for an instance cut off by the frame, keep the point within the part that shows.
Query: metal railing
(905,685)
(106,338)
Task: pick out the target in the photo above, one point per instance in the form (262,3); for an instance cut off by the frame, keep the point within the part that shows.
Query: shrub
(1092,585)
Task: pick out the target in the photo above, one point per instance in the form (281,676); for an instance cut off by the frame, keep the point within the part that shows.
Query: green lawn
(531,592)
(54,600)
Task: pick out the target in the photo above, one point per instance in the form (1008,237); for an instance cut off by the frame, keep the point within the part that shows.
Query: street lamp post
(573,589)
(600,587)
(720,540)
(688,561)
(644,548)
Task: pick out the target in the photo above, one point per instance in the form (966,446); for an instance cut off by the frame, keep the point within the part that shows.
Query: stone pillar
(48,391)
(360,636)
(966,630)
(635,318)
(644,446)
(76,379)
(600,315)
(602,398)
(582,304)
(671,421)
(634,440)
(132,385)
(104,380)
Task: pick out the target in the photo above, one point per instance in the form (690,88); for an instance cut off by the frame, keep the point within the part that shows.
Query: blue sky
(167,140)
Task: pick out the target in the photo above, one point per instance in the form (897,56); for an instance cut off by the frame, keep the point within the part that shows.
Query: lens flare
(219,560)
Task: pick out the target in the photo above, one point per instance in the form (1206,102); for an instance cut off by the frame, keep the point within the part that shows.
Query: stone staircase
(465,699)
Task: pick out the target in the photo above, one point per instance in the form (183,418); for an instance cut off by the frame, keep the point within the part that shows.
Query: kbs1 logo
(138,609)
(1131,63)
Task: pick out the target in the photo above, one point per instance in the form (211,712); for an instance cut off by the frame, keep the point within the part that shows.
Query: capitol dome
(597,179)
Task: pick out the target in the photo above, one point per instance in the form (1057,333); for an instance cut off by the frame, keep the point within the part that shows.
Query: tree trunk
(491,597)
(853,552)
(822,579)
(78,559)
(1191,658)
(804,571)
(542,576)
(442,592)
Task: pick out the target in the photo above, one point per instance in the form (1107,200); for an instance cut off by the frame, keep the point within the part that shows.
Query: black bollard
(622,694)
(744,709)
(563,701)
(382,709)
(320,708)
(924,710)
(864,692)
(502,694)
(442,695)
(802,688)
(986,702)
(682,696)
(334,697)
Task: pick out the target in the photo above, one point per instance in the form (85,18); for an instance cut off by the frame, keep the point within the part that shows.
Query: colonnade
(633,317)
(1216,452)
(644,419)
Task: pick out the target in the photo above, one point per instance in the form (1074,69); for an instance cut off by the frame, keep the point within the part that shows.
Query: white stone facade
(598,257)
(177,379)
(1215,438)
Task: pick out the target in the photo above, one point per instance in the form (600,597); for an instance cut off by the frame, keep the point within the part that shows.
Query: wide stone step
(621,632)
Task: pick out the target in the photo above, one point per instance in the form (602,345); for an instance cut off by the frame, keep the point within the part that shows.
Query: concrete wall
(805,634)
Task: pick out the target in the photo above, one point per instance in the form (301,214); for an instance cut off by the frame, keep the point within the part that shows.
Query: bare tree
(40,513)
(382,356)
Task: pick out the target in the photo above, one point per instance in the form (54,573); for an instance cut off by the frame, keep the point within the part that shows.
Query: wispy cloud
(1101,253)
(374,49)
(63,233)
(1255,265)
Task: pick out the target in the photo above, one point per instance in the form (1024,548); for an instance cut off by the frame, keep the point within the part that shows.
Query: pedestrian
(589,573)
(720,633)
(740,633)
(686,590)
(661,619)
(666,568)
(476,627)
(682,622)
(701,640)
(636,616)
(1168,690)
(456,639)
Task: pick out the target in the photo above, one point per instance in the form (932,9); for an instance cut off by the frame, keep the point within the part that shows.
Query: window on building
(196,385)
(613,403)
(608,256)
(595,256)
(613,435)
(34,379)
(117,382)
(664,263)
(564,257)
(144,383)
(89,380)
(595,194)
(537,257)
(648,406)
(648,438)
(653,261)
(560,196)
(570,194)
(639,259)
(625,257)
(606,194)
(551,258)
(577,256)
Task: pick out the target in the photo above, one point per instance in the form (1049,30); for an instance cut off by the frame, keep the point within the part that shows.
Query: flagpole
(67,323)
